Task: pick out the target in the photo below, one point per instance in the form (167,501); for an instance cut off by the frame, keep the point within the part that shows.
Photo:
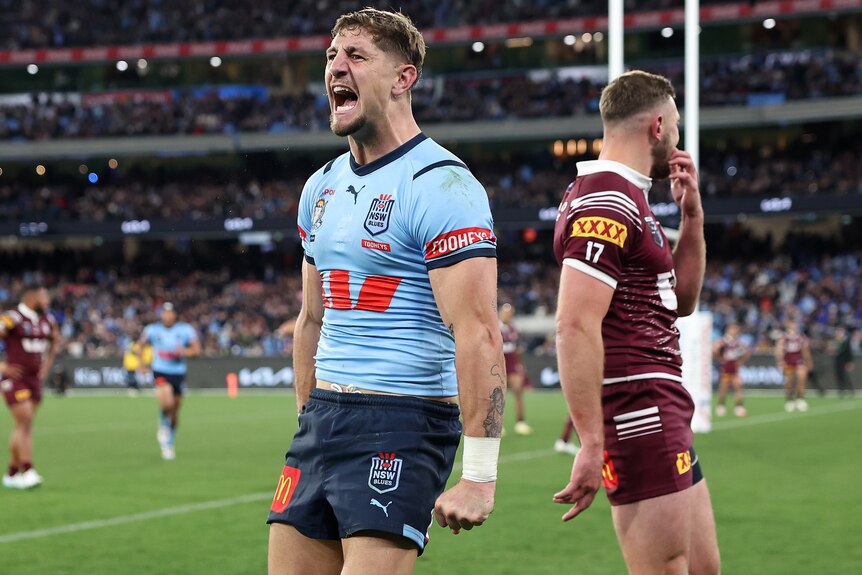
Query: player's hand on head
(584,483)
(465,505)
(684,185)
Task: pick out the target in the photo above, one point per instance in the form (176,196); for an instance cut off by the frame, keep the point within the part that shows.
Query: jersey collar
(364,170)
(27,312)
(596,166)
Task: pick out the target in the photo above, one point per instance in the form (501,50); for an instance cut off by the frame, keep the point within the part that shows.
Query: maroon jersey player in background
(32,338)
(516,374)
(793,357)
(731,354)
(621,291)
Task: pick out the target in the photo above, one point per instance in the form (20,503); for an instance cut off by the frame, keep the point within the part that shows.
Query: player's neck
(385,136)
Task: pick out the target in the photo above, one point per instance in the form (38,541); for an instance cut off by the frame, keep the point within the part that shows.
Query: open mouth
(344,98)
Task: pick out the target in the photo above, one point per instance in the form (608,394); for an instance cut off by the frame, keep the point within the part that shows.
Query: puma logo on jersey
(385,508)
(355,192)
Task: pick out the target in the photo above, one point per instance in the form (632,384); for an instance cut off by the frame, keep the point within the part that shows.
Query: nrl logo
(385,473)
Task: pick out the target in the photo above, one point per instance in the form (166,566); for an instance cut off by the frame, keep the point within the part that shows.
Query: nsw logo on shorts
(385,472)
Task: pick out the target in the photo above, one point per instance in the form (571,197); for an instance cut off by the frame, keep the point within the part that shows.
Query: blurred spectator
(43,23)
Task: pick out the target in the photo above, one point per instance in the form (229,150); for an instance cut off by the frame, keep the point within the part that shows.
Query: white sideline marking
(263,496)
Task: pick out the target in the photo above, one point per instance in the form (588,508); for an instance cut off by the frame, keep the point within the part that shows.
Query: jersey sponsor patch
(286,487)
(683,462)
(23,394)
(383,247)
(601,229)
(377,220)
(385,473)
(451,242)
(609,474)
(317,214)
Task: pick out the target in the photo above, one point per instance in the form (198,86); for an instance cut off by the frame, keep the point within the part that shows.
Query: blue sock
(163,420)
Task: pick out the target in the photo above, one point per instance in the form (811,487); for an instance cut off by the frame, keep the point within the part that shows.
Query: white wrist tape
(480,458)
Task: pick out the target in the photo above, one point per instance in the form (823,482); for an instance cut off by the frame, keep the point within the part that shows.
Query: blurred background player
(172,343)
(842,354)
(516,375)
(32,342)
(136,361)
(564,443)
(793,357)
(731,355)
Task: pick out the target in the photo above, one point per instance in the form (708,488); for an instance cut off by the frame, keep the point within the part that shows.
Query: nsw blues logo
(385,472)
(377,220)
(657,236)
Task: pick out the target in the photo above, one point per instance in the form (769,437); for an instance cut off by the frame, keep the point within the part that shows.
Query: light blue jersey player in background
(398,323)
(172,343)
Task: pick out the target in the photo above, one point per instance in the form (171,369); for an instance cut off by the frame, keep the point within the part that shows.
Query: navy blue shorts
(176,381)
(362,462)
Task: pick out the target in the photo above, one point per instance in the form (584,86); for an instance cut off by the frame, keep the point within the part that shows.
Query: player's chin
(345,126)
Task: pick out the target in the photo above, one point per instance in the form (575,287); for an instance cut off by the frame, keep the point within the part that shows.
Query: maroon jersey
(510,349)
(793,345)
(730,352)
(28,338)
(510,338)
(605,229)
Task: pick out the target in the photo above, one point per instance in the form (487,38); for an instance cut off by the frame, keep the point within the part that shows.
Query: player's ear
(657,128)
(407,76)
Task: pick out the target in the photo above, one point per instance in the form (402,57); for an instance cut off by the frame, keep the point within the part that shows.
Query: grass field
(785,489)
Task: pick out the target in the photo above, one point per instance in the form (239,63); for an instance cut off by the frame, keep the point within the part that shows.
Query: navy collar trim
(366,169)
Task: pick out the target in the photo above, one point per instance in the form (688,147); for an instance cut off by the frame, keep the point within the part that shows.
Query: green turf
(784,489)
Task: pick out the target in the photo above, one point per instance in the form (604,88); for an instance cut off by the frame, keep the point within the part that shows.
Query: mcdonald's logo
(284,490)
(609,474)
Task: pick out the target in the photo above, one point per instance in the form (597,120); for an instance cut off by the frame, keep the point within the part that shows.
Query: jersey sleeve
(8,322)
(305,218)
(450,217)
(602,228)
(191,334)
(147,334)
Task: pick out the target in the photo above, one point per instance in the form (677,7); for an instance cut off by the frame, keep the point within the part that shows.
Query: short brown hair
(632,93)
(393,32)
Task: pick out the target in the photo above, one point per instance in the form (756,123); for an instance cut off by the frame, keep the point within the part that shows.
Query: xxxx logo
(600,228)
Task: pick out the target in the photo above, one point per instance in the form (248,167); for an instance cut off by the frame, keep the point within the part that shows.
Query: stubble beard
(661,154)
(348,129)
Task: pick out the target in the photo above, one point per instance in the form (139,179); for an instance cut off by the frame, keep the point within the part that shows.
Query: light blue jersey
(166,342)
(374,232)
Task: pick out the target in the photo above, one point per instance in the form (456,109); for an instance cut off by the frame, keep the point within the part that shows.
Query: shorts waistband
(426,406)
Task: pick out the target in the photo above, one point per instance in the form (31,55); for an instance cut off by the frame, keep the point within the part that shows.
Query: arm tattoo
(451,328)
(493,422)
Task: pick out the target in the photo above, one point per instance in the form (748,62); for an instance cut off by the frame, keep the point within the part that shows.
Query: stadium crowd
(43,24)
(237,312)
(740,80)
(801,168)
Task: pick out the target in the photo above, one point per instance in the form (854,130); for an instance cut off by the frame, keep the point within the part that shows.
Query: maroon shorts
(648,439)
(793,359)
(728,368)
(20,390)
(514,364)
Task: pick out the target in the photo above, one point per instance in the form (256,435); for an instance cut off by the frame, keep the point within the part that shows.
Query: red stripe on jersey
(339,290)
(451,242)
(302,234)
(376,293)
